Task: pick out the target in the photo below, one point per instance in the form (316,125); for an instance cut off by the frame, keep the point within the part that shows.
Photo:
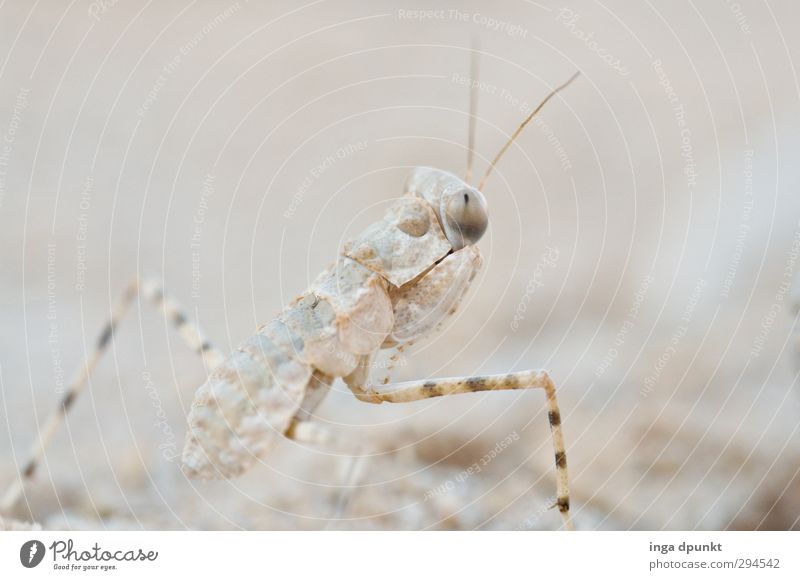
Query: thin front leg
(311,432)
(416,390)
(189,332)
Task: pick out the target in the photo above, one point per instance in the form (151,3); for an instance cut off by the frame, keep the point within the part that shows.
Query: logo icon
(31,553)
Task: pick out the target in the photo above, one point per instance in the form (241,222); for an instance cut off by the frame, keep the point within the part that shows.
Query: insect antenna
(473,106)
(522,125)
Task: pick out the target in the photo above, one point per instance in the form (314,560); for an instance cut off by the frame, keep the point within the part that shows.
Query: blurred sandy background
(642,238)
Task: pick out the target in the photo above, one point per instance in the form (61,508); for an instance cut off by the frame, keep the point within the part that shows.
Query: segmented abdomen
(251,398)
(246,404)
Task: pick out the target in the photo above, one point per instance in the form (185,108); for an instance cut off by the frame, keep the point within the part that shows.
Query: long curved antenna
(473,107)
(527,120)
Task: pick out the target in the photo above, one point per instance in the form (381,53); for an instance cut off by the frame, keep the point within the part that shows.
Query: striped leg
(190,333)
(417,390)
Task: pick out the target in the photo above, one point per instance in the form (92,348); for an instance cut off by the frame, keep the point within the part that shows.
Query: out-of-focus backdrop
(644,234)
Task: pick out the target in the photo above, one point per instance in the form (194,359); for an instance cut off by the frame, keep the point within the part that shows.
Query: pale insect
(399,280)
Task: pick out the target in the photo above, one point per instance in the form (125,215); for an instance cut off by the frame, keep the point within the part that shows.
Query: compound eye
(464,216)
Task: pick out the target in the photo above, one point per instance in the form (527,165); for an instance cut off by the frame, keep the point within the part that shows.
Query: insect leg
(536,379)
(311,432)
(191,333)
(152,292)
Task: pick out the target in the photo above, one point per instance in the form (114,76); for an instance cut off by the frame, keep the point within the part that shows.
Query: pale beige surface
(638,259)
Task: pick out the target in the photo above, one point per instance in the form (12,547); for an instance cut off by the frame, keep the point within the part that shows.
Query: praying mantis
(395,283)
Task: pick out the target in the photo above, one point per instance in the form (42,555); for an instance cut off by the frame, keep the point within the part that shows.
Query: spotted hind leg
(417,390)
